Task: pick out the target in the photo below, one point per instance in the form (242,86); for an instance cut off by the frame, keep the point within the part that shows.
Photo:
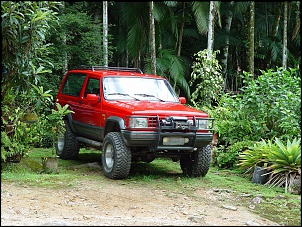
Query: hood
(163,109)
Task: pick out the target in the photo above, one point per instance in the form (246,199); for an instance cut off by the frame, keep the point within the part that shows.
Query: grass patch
(276,205)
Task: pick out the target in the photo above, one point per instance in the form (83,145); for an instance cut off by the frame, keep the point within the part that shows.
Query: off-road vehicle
(131,116)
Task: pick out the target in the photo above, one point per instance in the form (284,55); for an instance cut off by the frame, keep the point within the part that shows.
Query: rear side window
(73,84)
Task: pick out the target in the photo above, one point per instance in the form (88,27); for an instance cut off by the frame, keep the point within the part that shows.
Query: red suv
(131,117)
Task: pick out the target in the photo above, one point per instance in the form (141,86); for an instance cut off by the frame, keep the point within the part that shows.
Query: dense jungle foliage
(43,39)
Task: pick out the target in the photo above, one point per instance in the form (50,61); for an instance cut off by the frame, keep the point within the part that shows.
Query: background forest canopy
(43,39)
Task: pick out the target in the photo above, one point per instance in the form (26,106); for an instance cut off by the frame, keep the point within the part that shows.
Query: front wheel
(116,156)
(198,163)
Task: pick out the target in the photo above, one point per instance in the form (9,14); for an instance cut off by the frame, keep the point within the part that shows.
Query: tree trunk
(224,60)
(211,30)
(105,32)
(251,47)
(152,39)
(65,67)
(181,30)
(274,31)
(284,56)
(298,21)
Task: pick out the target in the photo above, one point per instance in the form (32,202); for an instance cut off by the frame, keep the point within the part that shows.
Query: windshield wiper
(117,93)
(146,95)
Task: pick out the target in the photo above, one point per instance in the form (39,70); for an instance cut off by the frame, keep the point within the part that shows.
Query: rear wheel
(66,146)
(198,163)
(116,156)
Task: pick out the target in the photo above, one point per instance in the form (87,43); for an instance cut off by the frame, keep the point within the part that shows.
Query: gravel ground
(115,204)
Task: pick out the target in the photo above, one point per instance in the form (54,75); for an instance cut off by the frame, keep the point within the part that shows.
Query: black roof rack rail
(125,69)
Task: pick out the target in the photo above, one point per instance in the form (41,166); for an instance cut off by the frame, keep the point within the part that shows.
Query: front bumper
(156,140)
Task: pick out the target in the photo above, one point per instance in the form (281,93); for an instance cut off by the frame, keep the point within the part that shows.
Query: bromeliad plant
(285,162)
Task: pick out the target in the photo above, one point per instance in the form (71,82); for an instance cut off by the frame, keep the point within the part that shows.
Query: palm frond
(201,13)
(169,65)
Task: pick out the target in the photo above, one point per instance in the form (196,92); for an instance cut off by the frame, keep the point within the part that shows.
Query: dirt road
(117,204)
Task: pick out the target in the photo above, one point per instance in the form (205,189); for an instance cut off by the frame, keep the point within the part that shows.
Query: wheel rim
(109,159)
(61,143)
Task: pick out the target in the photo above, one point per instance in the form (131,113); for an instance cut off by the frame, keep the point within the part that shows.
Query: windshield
(138,88)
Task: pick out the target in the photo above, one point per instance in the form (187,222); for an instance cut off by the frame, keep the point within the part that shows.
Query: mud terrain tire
(66,146)
(116,156)
(198,163)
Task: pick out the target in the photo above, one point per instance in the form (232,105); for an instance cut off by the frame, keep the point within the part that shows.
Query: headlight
(203,124)
(138,122)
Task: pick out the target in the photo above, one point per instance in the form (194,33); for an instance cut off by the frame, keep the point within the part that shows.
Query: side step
(90,142)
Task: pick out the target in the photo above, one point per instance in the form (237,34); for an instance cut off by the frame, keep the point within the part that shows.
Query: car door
(90,111)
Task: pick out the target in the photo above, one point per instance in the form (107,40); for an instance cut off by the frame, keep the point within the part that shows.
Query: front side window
(93,87)
(73,84)
(138,88)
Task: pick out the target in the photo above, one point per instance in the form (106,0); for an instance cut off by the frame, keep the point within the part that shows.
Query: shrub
(207,76)
(231,124)
(227,157)
(15,140)
(272,104)
(268,107)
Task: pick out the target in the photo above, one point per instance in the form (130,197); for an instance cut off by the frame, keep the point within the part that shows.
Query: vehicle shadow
(159,168)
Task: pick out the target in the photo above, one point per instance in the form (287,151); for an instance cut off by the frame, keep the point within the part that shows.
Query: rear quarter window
(73,84)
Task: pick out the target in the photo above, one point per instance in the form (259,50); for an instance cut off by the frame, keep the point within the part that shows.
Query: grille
(152,122)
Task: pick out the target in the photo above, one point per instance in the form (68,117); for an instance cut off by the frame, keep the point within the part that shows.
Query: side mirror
(92,98)
(182,100)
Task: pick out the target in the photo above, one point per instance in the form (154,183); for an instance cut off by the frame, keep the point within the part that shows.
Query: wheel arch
(113,124)
(68,117)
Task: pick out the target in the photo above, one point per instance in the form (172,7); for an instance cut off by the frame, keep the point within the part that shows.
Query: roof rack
(125,69)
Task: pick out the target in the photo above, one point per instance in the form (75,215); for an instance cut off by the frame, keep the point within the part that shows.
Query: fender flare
(118,120)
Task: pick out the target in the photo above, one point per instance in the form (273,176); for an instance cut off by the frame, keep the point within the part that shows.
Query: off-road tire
(66,146)
(198,163)
(116,156)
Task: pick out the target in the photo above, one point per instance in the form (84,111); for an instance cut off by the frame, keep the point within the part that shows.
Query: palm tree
(226,39)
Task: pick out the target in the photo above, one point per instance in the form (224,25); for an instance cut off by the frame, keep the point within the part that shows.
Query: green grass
(278,206)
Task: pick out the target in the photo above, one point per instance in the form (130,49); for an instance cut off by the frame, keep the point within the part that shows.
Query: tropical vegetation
(238,61)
